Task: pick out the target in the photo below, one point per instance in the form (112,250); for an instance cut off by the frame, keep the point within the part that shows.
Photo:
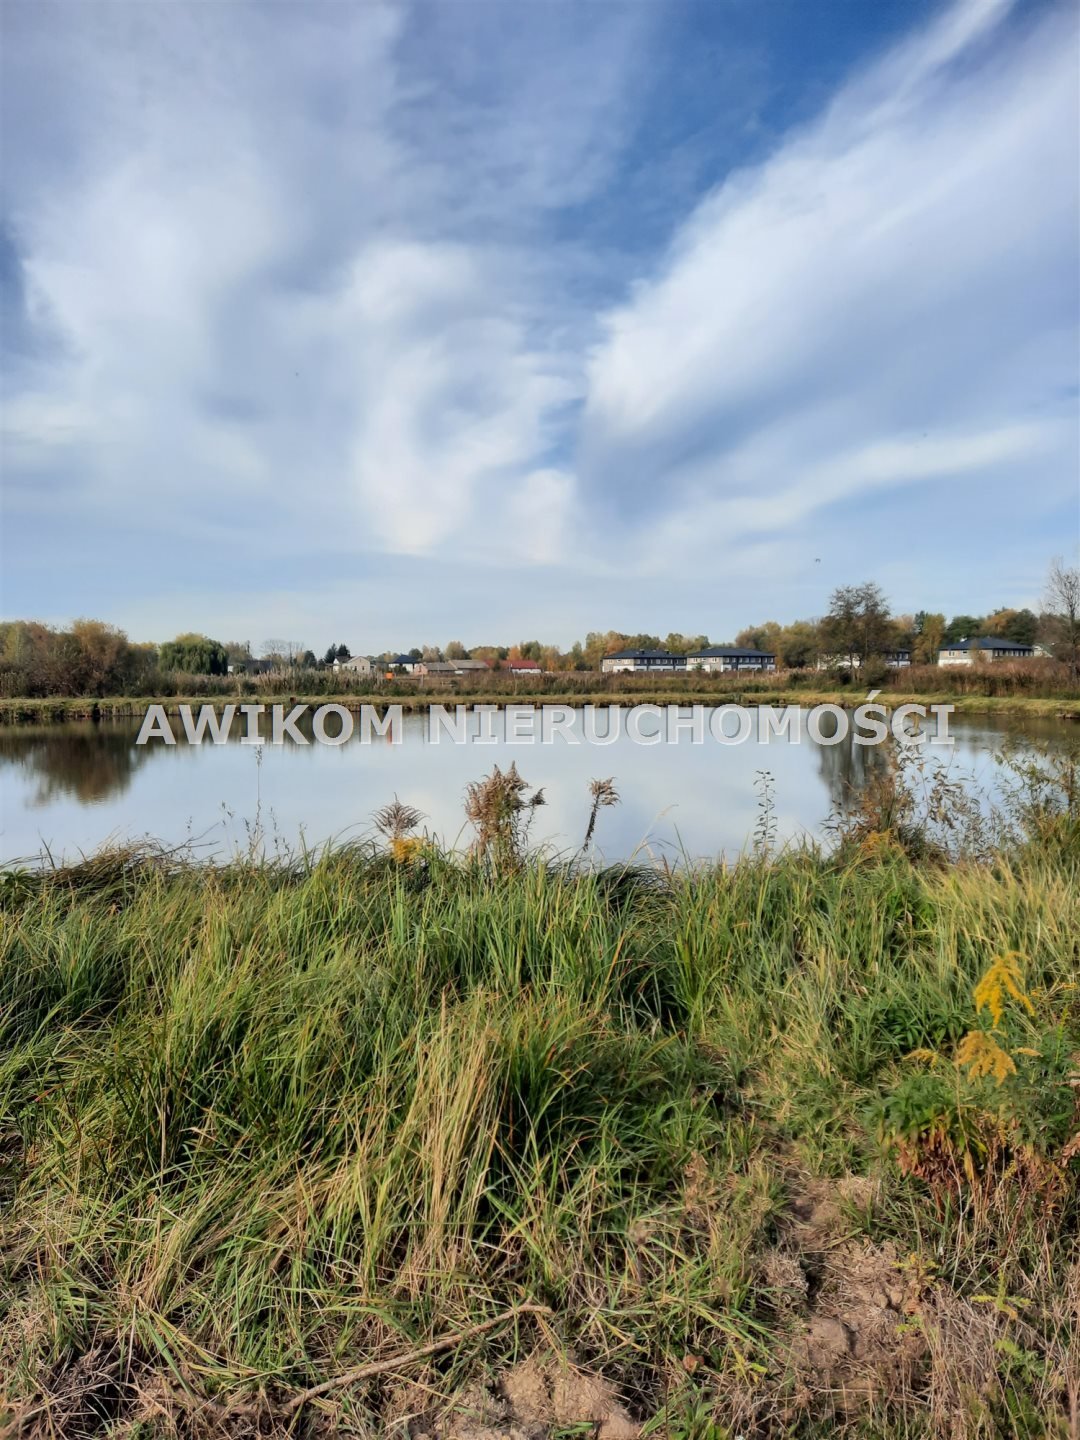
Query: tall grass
(263,1123)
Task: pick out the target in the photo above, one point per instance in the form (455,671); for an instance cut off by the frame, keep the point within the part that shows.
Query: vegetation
(1062,603)
(1025,687)
(194,655)
(96,660)
(312,1146)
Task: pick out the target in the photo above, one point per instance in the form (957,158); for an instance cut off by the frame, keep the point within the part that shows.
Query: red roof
(523,664)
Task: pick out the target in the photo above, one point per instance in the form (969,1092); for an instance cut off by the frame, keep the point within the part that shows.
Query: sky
(396,324)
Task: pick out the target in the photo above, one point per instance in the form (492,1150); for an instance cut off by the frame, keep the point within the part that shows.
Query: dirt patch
(846,1310)
(540,1397)
(860,1341)
(818,1209)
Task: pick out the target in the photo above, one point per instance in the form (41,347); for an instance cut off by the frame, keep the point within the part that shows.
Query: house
(898,658)
(641,662)
(404,662)
(443,668)
(982,647)
(471,667)
(719,658)
(522,667)
(356,664)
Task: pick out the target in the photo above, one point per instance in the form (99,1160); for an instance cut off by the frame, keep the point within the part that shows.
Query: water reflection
(70,787)
(86,761)
(846,769)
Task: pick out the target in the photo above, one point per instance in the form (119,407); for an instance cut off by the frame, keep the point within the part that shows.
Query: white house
(356,664)
(641,662)
(982,647)
(718,658)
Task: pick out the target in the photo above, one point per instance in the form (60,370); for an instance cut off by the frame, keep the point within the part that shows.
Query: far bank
(413,700)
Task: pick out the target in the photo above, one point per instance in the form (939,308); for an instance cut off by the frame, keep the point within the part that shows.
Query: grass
(414,699)
(263,1124)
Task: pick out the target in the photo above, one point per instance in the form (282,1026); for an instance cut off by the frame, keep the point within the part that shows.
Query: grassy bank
(544,1152)
(415,700)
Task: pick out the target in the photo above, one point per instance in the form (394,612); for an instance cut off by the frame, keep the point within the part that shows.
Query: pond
(67,789)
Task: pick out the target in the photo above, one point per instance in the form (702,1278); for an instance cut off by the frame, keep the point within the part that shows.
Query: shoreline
(55,710)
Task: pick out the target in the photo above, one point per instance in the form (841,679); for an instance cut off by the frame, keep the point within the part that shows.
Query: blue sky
(487,321)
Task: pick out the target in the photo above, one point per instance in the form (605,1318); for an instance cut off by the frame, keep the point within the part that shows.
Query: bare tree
(1062,602)
(284,652)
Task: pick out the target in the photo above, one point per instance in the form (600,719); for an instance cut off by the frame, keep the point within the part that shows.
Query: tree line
(859,624)
(92,658)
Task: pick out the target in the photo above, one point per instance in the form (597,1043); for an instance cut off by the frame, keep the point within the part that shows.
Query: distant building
(471,667)
(404,662)
(982,647)
(250,666)
(444,668)
(719,658)
(522,667)
(641,662)
(357,664)
(896,659)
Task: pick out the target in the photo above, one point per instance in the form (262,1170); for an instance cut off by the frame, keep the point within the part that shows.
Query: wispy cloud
(890,298)
(335,290)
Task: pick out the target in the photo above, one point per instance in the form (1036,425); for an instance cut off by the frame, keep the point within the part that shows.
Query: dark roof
(730,651)
(643,655)
(403,660)
(985,642)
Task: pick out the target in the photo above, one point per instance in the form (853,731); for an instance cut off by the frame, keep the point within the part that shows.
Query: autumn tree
(857,623)
(679,644)
(760,637)
(99,654)
(929,636)
(798,645)
(1020,626)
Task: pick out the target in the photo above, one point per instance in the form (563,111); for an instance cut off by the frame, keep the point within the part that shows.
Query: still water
(71,788)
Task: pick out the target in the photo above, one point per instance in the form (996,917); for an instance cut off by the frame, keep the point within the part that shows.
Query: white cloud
(879,303)
(248,346)
(449,399)
(325,289)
